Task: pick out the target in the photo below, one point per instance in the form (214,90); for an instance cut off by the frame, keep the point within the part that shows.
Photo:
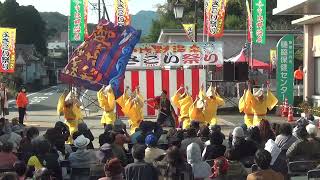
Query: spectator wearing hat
(82,158)
(220,168)
(7,158)
(84,130)
(302,149)
(215,149)
(285,139)
(113,170)
(240,145)
(263,159)
(140,170)
(200,169)
(313,139)
(152,152)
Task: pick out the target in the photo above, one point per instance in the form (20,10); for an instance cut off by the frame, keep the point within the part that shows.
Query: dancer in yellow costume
(183,102)
(196,111)
(246,108)
(212,102)
(107,102)
(260,104)
(70,107)
(132,107)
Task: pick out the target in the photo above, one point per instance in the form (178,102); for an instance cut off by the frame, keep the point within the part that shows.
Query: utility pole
(99,10)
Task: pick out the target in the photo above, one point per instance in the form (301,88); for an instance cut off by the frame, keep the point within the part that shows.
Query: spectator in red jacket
(22,102)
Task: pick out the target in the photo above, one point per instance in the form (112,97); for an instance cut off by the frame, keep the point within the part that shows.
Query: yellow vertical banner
(122,17)
(190,30)
(273,56)
(7,50)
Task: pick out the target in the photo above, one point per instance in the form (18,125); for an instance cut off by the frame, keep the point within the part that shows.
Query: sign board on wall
(176,54)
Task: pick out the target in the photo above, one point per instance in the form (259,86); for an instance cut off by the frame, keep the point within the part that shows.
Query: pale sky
(62,6)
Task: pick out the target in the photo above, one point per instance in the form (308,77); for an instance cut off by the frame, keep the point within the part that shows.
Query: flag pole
(251,43)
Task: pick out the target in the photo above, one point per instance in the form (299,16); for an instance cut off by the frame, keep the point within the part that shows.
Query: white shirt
(153,153)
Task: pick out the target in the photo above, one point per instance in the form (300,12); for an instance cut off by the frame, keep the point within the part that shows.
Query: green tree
(31,29)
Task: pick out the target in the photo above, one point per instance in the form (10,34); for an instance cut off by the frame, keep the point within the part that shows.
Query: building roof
(307,19)
(27,52)
(297,7)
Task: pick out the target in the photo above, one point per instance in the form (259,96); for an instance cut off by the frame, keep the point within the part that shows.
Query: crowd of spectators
(151,153)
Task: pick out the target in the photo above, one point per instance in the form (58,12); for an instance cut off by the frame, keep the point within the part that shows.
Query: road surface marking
(28,95)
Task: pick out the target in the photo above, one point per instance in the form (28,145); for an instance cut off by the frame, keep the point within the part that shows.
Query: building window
(316,76)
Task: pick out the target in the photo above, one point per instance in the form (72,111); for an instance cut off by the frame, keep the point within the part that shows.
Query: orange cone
(285,108)
(290,114)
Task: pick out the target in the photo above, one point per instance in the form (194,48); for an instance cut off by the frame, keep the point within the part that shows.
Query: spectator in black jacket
(84,130)
(140,170)
(215,149)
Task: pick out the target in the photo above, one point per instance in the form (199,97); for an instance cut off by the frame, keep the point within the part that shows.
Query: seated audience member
(254,137)
(152,152)
(84,130)
(204,133)
(276,128)
(302,149)
(11,137)
(118,149)
(9,176)
(173,166)
(285,139)
(220,168)
(113,170)
(43,174)
(217,128)
(236,170)
(140,170)
(7,158)
(147,128)
(135,135)
(278,159)
(21,169)
(301,123)
(82,158)
(191,138)
(200,169)
(215,149)
(105,151)
(240,145)
(263,159)
(266,132)
(313,139)
(44,158)
(26,146)
(121,137)
(16,127)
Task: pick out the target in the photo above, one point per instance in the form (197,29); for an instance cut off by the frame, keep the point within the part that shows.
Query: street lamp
(178,13)
(178,10)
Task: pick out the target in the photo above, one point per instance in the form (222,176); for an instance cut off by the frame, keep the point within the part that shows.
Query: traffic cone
(290,114)
(285,108)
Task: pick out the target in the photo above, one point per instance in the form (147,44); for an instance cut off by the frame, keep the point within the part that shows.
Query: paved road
(42,112)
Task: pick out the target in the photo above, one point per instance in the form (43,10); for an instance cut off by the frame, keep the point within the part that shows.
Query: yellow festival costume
(183,102)
(212,102)
(132,107)
(196,112)
(260,107)
(246,108)
(107,102)
(70,107)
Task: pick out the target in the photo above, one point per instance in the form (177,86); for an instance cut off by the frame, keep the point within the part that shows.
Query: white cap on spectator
(238,132)
(312,129)
(81,142)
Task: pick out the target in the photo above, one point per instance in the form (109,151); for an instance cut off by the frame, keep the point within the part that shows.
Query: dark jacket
(213,152)
(178,172)
(245,148)
(140,171)
(88,134)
